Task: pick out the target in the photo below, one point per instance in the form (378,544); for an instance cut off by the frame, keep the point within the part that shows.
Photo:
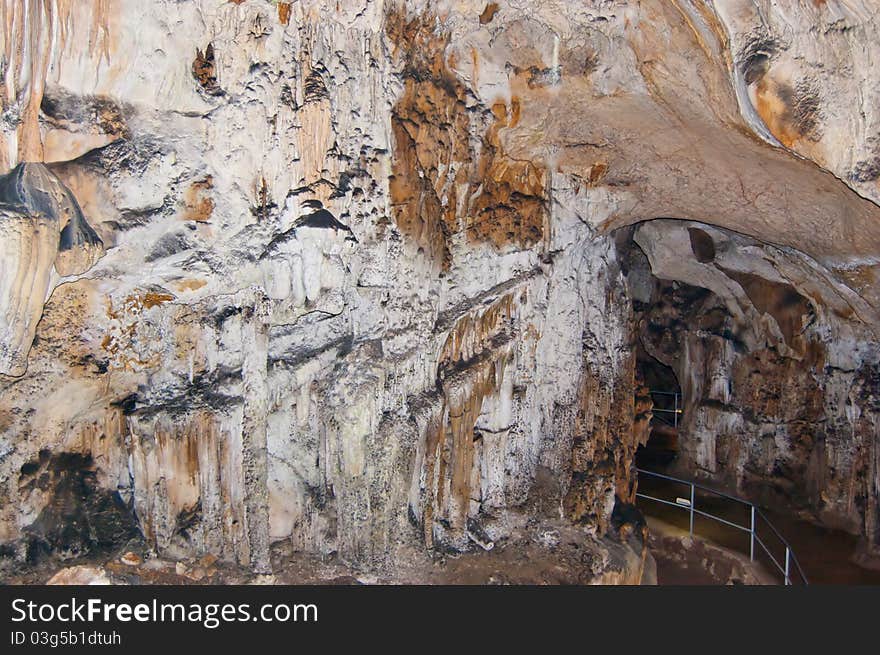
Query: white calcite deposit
(344,274)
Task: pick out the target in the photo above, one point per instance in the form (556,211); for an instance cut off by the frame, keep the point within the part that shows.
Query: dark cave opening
(661,449)
(744,333)
(650,297)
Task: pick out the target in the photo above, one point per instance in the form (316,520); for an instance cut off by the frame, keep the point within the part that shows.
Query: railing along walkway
(790,568)
(659,409)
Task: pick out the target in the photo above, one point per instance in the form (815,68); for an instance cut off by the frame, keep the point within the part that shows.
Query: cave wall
(341,272)
(331,309)
(778,378)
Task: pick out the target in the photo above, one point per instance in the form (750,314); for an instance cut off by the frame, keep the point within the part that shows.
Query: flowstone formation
(44,237)
(347,277)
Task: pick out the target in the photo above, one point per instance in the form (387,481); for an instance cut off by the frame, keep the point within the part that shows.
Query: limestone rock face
(360,291)
(29,245)
(44,231)
(80,575)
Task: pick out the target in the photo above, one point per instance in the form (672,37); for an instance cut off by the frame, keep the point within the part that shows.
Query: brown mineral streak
(471,335)
(117,343)
(718,33)
(155,299)
(488,13)
(204,71)
(470,346)
(197,206)
(505,200)
(776,114)
(191,462)
(284,13)
(605,439)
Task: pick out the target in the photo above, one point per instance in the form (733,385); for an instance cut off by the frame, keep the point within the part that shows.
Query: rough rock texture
(779,377)
(685,559)
(44,236)
(80,575)
(358,291)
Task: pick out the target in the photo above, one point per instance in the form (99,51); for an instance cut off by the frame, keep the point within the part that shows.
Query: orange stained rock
(118,342)
(198,205)
(155,299)
(488,13)
(473,334)
(33,31)
(204,71)
(475,354)
(189,284)
(597,172)
(450,448)
(284,13)
(440,185)
(788,113)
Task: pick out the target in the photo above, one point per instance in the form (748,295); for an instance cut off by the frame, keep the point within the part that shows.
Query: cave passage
(661,449)
(737,335)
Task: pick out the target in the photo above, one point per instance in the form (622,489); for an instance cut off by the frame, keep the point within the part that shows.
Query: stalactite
(35,34)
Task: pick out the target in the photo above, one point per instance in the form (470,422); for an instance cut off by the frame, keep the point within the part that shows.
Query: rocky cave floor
(683,559)
(718,554)
(544,553)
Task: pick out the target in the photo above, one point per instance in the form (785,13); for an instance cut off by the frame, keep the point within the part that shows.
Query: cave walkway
(765,543)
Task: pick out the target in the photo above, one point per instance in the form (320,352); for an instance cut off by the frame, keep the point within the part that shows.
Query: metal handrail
(752,528)
(675,411)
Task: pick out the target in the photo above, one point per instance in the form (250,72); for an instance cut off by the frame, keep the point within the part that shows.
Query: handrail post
(752,529)
(692,508)
(787,579)
(752,537)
